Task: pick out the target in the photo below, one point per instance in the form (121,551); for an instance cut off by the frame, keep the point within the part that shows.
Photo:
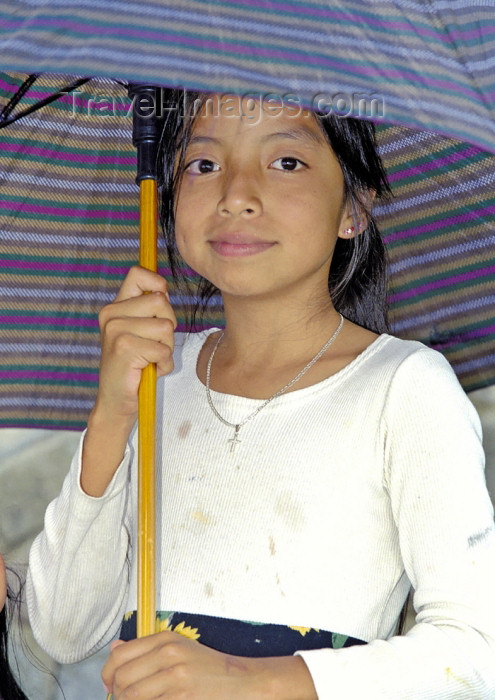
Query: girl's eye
(287,163)
(202,166)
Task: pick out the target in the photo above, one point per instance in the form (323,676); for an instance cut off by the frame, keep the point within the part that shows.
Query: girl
(311,467)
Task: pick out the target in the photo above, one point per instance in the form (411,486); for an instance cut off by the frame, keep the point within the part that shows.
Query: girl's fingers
(119,329)
(134,347)
(152,687)
(155,304)
(133,661)
(139,281)
(135,353)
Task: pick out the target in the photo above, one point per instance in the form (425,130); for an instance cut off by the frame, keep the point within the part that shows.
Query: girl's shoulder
(396,371)
(387,348)
(423,383)
(386,355)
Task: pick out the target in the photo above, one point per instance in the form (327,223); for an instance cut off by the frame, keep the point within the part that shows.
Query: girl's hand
(136,330)
(168,665)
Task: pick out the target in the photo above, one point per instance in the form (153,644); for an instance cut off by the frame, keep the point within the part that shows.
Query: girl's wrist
(282,678)
(103,450)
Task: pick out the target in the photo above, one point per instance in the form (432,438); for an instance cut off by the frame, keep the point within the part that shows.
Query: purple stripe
(481,214)
(50,320)
(445,282)
(48,266)
(465,336)
(45,374)
(69,157)
(69,213)
(468,152)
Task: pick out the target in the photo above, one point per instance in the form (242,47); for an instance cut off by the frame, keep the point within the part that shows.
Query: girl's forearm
(285,678)
(103,450)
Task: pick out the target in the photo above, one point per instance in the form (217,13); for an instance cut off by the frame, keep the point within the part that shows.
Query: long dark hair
(357,279)
(9,688)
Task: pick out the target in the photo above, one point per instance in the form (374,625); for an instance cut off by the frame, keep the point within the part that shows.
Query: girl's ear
(349,227)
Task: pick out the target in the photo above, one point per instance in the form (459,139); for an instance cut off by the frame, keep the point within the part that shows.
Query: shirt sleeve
(78,567)
(434,476)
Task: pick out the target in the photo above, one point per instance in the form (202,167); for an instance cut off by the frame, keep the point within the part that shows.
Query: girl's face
(3,583)
(261,202)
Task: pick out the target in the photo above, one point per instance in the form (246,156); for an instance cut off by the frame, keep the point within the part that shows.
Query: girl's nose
(240,197)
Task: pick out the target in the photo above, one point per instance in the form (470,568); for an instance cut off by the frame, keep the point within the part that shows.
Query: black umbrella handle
(146,128)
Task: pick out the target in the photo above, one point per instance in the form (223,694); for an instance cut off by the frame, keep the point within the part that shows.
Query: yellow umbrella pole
(146,609)
(145,137)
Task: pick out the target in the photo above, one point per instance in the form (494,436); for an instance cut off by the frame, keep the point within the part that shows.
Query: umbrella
(68,234)
(438,77)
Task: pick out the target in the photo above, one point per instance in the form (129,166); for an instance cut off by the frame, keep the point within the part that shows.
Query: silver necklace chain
(237,426)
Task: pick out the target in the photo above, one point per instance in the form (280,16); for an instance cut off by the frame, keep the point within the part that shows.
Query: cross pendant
(235,440)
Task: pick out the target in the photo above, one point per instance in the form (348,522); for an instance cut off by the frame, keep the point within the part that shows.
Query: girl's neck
(265,346)
(266,329)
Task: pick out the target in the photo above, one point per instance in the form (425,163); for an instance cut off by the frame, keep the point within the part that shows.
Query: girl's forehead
(231,114)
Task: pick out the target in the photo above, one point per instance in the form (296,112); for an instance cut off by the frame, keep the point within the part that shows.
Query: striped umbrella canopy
(68,218)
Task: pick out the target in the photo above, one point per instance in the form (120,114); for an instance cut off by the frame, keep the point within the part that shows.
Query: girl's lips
(239,249)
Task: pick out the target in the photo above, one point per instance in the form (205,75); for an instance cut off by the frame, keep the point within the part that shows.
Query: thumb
(116,644)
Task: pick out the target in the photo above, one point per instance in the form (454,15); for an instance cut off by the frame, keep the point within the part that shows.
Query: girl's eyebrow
(298,133)
(203,139)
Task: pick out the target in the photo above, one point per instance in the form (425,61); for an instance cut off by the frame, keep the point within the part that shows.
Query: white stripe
(442,194)
(468,246)
(89,241)
(72,184)
(47,402)
(50,348)
(106,133)
(442,314)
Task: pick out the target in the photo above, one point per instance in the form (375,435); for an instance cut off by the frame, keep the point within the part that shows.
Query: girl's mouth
(240,248)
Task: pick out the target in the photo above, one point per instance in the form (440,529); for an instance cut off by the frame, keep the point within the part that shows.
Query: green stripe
(450,225)
(83,206)
(94,219)
(63,274)
(56,259)
(470,344)
(44,314)
(430,295)
(428,158)
(26,157)
(50,382)
(441,275)
(48,327)
(37,422)
(50,368)
(73,150)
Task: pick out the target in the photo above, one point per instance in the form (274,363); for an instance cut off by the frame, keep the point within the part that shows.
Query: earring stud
(349,231)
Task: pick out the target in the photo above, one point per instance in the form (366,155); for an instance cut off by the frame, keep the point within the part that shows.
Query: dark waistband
(242,638)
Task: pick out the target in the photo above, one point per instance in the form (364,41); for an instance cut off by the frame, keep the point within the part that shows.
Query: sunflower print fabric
(239,637)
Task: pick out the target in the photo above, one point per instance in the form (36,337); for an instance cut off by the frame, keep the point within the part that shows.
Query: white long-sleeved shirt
(337,497)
